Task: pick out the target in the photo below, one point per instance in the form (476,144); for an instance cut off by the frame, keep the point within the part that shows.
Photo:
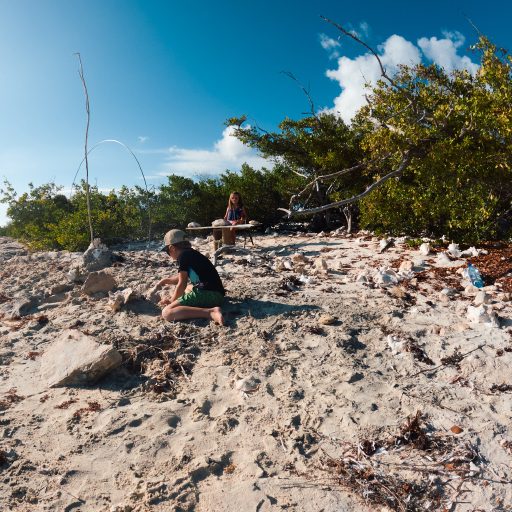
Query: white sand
(215,442)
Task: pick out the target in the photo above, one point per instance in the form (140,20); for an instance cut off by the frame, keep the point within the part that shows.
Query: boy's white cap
(174,236)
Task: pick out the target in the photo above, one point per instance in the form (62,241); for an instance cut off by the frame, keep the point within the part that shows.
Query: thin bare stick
(436,368)
(369,48)
(82,77)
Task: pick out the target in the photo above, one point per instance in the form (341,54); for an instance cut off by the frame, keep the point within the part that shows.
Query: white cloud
(364,28)
(444,52)
(353,74)
(227,153)
(330,45)
(142,139)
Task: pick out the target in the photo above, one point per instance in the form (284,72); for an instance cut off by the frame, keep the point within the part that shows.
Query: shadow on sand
(261,309)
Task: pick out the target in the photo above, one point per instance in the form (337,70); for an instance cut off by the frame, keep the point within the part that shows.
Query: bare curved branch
(369,48)
(325,177)
(138,164)
(406,160)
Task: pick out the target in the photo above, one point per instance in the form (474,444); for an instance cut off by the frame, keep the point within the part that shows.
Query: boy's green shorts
(202,299)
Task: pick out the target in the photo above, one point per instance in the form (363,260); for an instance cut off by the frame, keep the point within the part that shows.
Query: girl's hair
(240,202)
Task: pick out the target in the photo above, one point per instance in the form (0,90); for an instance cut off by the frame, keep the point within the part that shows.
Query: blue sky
(163,76)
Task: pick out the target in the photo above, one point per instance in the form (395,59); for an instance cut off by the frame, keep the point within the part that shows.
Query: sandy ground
(333,386)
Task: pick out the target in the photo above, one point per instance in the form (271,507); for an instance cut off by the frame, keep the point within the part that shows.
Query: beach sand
(337,384)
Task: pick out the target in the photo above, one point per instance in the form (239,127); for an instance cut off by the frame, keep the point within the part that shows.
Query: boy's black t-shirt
(200,270)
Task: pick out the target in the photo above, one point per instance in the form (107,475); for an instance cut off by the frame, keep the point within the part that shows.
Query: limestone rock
(424,249)
(327,320)
(193,225)
(406,266)
(385,277)
(97,256)
(220,222)
(481,298)
(454,250)
(298,257)
(99,282)
(321,264)
(76,359)
(482,315)
(23,307)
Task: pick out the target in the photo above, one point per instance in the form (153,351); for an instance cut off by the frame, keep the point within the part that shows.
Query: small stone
(481,298)
(327,320)
(220,222)
(97,256)
(443,297)
(321,264)
(406,266)
(424,249)
(99,282)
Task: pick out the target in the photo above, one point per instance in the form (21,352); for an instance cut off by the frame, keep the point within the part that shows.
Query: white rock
(396,345)
(97,256)
(471,290)
(481,298)
(193,225)
(406,266)
(454,250)
(321,264)
(99,282)
(383,243)
(482,315)
(424,249)
(443,259)
(220,222)
(362,278)
(443,297)
(249,384)
(385,277)
(288,265)
(75,359)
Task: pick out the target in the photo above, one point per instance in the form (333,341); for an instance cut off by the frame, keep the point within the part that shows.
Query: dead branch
(406,160)
(326,177)
(369,48)
(82,77)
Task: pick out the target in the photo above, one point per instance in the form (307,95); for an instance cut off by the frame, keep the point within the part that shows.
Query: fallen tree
(430,152)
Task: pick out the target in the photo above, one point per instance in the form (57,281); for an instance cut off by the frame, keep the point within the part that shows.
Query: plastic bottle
(474,276)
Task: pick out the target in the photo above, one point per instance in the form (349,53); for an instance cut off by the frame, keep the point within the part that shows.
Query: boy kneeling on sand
(207,293)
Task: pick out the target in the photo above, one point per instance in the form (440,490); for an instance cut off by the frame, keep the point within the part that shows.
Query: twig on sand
(436,368)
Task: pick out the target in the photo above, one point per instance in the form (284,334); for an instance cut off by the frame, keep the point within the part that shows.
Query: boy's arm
(182,279)
(168,280)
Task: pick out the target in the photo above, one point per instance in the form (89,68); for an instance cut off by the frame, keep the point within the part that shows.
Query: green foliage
(44,218)
(306,149)
(460,182)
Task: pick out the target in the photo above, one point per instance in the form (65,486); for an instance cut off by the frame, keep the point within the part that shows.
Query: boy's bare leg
(177,313)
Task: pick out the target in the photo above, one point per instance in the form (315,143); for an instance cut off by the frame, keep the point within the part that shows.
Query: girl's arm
(243,218)
(226,214)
